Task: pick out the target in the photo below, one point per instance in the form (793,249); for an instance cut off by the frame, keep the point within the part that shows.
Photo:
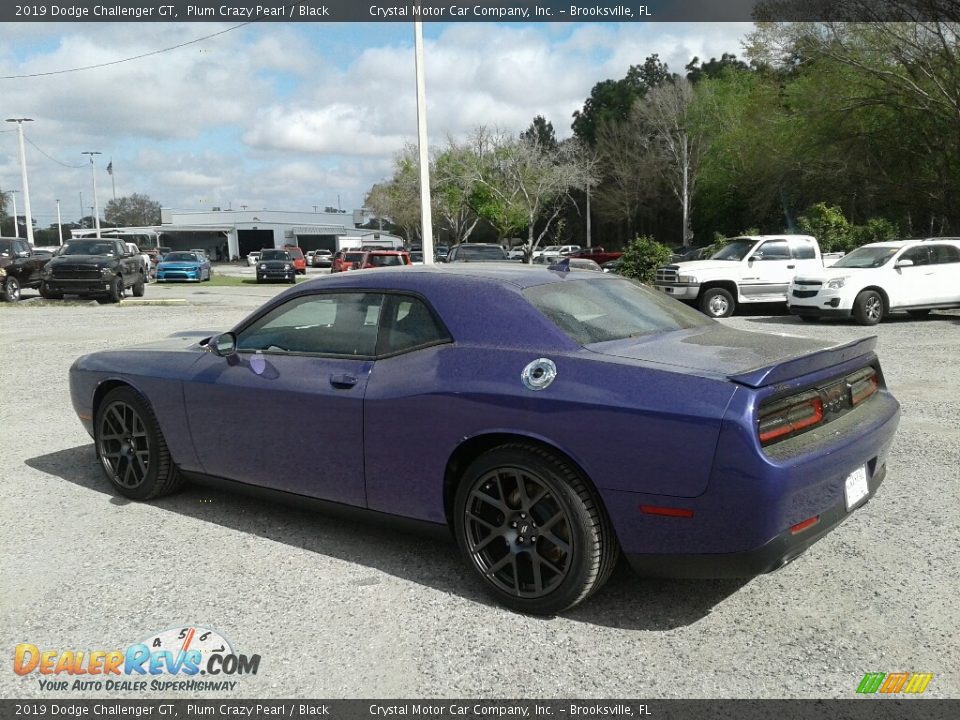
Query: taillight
(790,416)
(862,385)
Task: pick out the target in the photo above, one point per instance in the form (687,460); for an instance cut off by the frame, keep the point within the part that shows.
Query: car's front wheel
(11,289)
(47,293)
(116,289)
(533,531)
(132,449)
(868,308)
(139,287)
(717,303)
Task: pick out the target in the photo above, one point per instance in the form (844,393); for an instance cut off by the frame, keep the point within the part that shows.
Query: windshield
(734,250)
(274,255)
(180,257)
(866,257)
(90,247)
(480,253)
(597,310)
(385,260)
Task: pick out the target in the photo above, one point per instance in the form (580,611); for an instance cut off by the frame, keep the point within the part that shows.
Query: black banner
(860,709)
(475,10)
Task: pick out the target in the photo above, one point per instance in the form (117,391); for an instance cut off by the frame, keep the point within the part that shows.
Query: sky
(288,116)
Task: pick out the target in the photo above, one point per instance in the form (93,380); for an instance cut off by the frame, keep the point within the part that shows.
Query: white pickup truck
(748,269)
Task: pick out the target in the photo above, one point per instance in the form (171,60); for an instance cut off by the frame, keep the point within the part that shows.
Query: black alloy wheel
(131,448)
(530,527)
(116,289)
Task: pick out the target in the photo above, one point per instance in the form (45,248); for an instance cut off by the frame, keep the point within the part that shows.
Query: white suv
(912,275)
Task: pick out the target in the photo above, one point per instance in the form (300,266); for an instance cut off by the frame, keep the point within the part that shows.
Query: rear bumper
(766,558)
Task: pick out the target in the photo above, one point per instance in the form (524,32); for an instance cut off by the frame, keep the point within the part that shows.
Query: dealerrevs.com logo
(189,658)
(894,683)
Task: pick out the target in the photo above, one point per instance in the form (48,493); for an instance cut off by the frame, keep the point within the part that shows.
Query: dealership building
(238,232)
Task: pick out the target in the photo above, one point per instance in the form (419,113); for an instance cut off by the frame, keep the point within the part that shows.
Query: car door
(912,284)
(402,409)
(26,264)
(768,276)
(286,411)
(946,274)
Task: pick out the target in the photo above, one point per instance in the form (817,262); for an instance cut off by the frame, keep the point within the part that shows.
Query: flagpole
(113,180)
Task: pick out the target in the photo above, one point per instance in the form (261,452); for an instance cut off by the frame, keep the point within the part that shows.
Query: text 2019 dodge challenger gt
(551,419)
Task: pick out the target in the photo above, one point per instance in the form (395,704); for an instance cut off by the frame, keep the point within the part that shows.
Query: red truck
(597,254)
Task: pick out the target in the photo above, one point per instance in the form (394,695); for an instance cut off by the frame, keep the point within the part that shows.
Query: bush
(876,230)
(642,257)
(828,225)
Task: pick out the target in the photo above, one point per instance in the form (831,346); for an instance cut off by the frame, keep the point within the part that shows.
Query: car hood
(85,260)
(828,273)
(749,358)
(704,265)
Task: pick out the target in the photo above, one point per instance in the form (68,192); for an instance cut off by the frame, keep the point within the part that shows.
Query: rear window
(385,260)
(597,310)
(481,253)
(295,252)
(353,257)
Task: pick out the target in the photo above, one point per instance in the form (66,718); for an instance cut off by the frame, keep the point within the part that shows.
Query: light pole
(16,225)
(23,177)
(93,174)
(425,210)
(59,222)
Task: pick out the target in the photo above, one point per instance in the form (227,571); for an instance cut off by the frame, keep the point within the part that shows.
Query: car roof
(912,241)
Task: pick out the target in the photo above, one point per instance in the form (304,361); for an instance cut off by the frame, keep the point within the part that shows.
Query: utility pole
(23,177)
(589,241)
(59,222)
(93,174)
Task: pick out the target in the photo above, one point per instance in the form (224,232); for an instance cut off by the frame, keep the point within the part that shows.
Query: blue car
(552,419)
(184,266)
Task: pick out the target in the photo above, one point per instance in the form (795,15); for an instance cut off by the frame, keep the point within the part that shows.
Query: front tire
(139,287)
(116,289)
(131,448)
(48,294)
(530,527)
(868,308)
(717,303)
(11,290)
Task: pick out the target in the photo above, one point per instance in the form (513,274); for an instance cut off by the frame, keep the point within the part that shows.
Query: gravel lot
(338,609)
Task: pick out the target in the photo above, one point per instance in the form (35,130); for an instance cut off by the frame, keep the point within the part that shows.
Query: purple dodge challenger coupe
(551,419)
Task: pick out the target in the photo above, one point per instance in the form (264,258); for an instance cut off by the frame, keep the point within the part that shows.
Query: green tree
(828,225)
(541,131)
(132,211)
(642,257)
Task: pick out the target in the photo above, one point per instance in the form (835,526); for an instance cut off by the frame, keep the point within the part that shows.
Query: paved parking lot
(337,609)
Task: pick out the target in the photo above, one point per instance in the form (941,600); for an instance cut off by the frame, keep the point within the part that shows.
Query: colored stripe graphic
(918,682)
(914,683)
(870,683)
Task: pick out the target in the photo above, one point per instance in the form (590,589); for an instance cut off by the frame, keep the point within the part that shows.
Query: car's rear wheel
(529,525)
(11,289)
(717,303)
(139,287)
(868,308)
(132,449)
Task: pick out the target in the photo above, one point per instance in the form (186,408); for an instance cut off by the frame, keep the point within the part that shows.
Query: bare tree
(630,175)
(453,185)
(666,111)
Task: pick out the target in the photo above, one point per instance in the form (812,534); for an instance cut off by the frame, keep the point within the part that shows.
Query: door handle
(790,267)
(343,381)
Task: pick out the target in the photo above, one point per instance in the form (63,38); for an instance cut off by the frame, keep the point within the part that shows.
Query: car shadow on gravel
(426,558)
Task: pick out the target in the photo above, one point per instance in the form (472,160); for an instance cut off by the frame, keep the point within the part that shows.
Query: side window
(919,255)
(774,250)
(22,246)
(325,324)
(943,254)
(407,324)
(803,249)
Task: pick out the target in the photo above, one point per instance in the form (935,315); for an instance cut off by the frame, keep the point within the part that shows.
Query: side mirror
(224,344)
(755,257)
(904,263)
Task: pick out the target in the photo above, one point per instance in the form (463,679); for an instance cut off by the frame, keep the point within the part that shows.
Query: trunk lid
(747,358)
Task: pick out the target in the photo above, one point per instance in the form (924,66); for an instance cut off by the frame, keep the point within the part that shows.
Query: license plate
(855,487)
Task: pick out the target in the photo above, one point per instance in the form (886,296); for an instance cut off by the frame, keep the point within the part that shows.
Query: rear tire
(131,448)
(533,531)
(139,287)
(717,303)
(868,308)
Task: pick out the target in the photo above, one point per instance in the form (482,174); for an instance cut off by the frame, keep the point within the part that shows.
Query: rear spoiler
(789,369)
